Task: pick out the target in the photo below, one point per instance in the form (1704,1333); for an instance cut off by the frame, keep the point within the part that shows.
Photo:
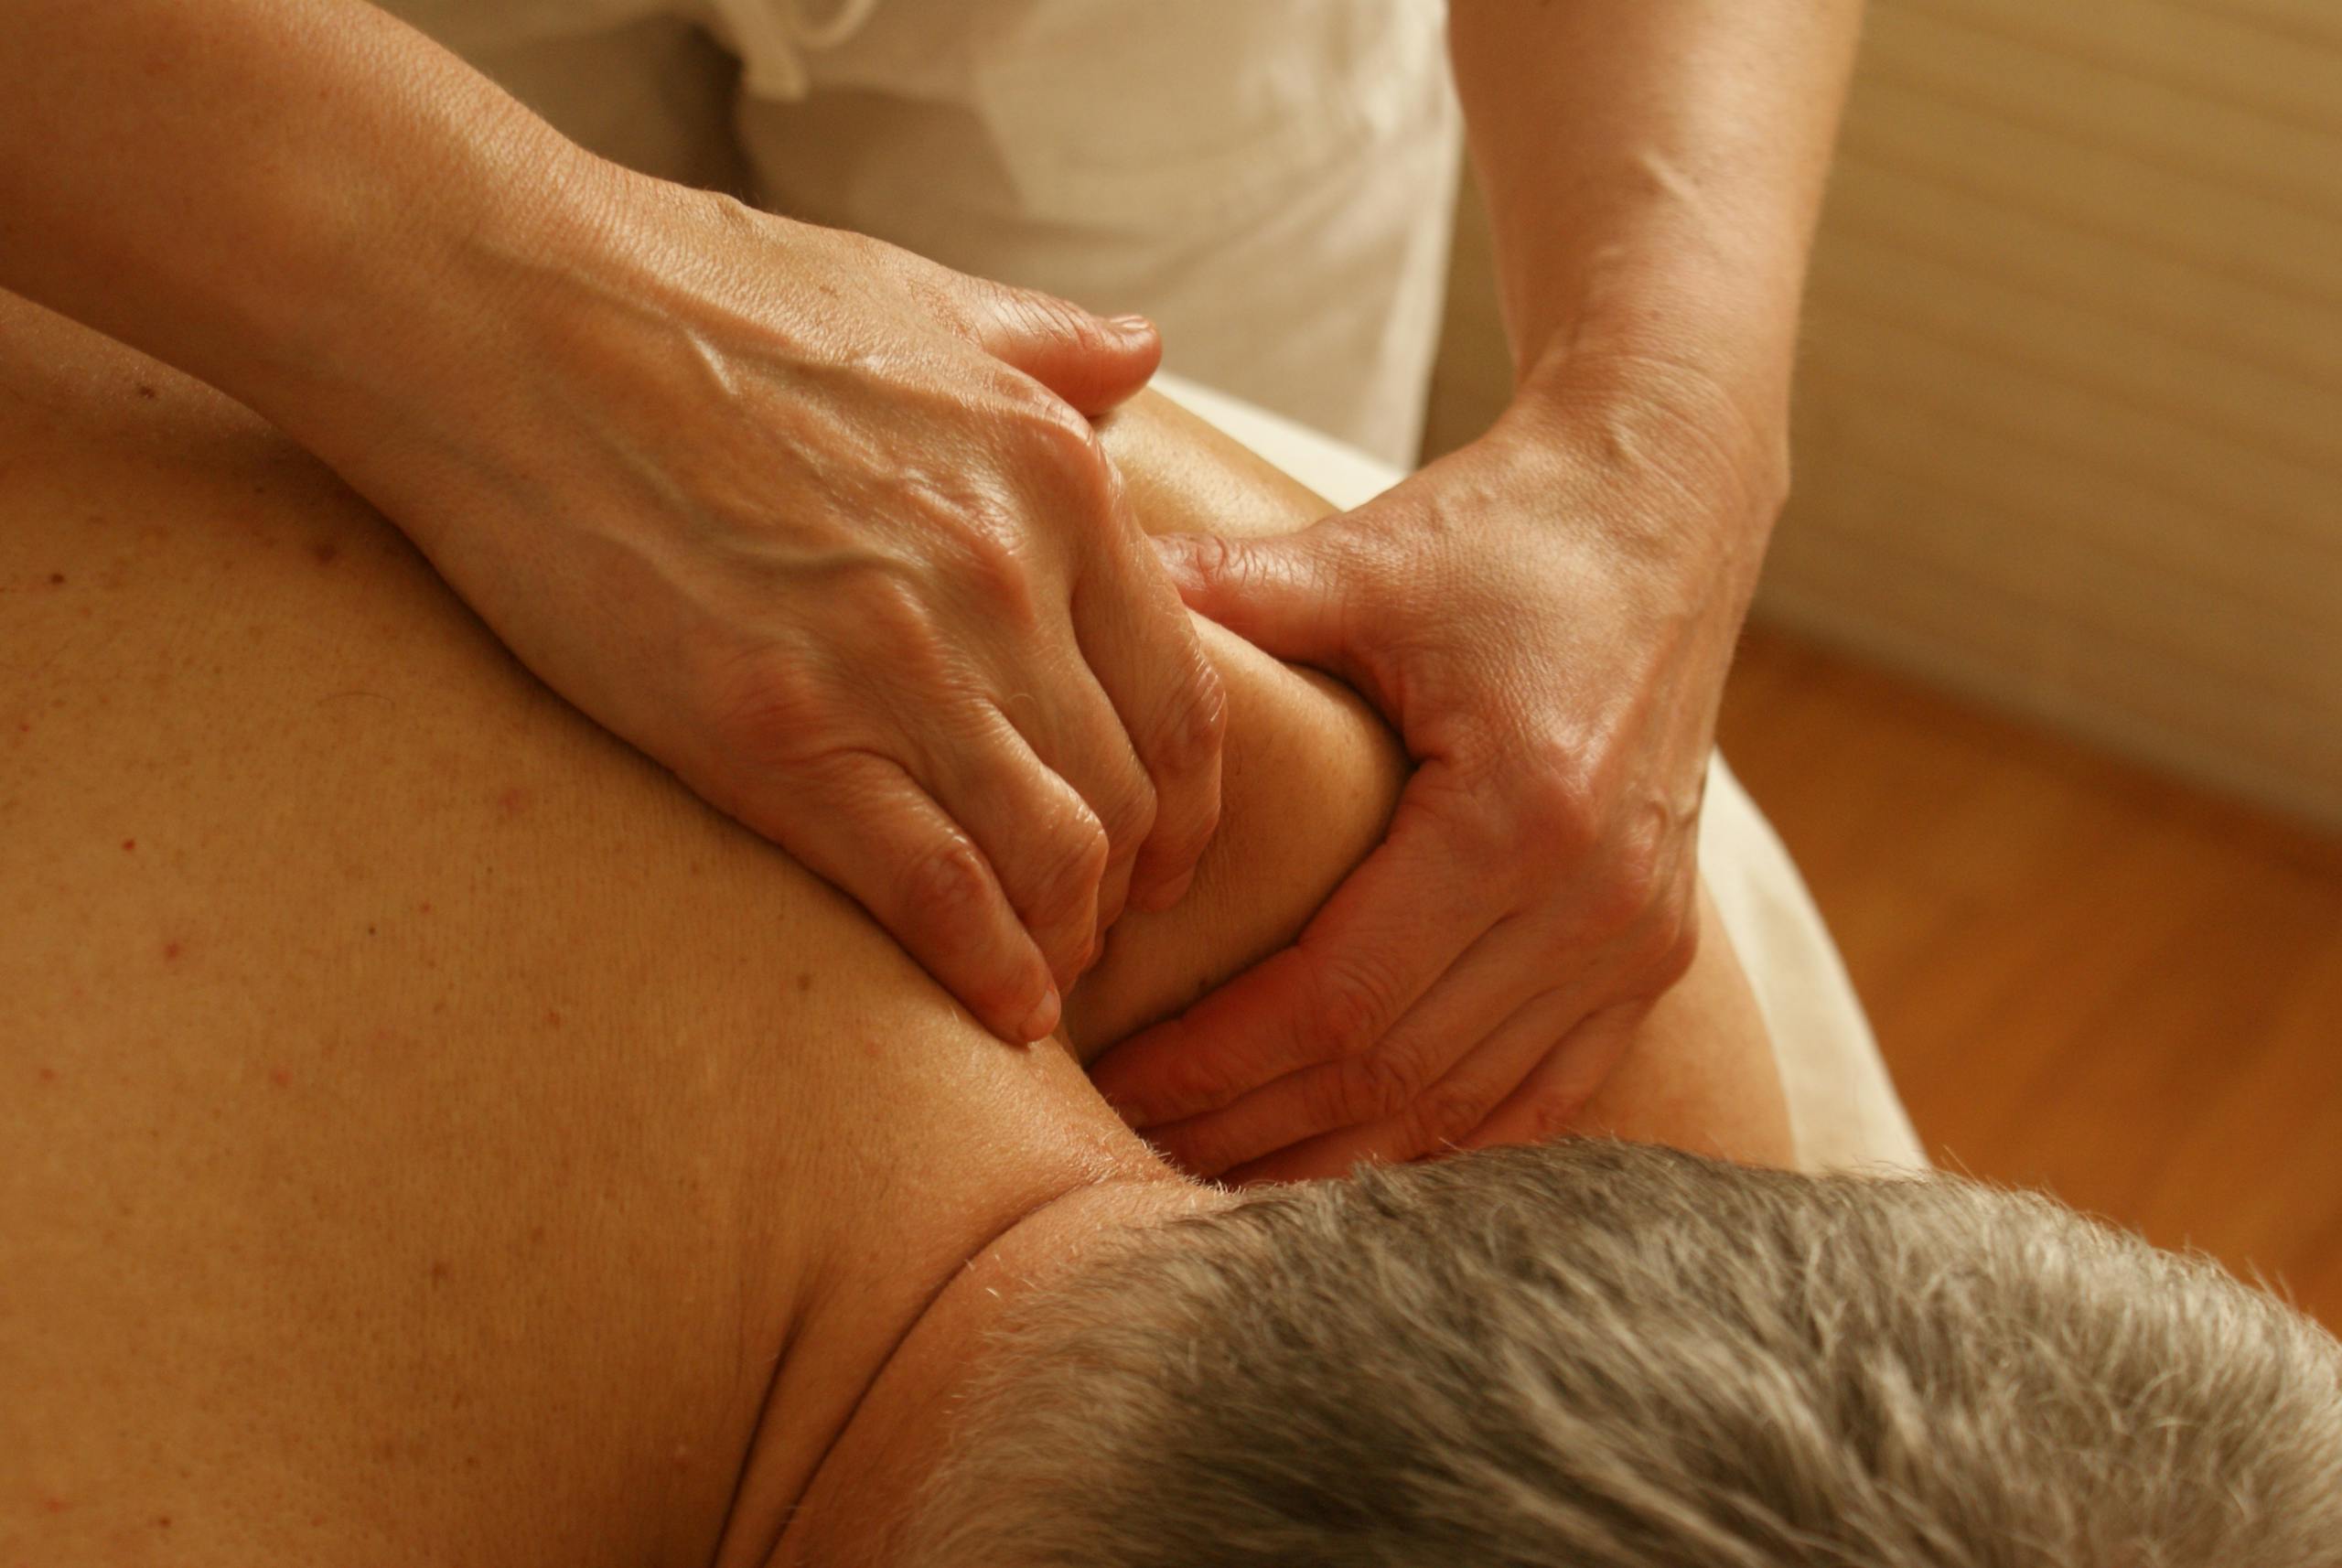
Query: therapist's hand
(1545,617)
(822,527)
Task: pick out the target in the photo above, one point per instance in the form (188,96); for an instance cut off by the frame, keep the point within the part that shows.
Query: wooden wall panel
(2069,420)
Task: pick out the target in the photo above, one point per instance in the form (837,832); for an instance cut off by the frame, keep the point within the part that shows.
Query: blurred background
(2044,685)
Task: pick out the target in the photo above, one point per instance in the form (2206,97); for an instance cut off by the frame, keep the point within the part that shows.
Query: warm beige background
(2069,423)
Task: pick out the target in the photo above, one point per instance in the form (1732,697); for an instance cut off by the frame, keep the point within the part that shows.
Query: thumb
(1091,362)
(1286,595)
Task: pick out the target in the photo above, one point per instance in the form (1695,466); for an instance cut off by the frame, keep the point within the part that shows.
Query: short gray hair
(1593,1355)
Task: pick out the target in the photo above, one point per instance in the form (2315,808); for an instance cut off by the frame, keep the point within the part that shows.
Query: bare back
(411,1091)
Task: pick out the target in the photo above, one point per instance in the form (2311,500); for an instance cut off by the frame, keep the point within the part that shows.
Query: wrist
(428,334)
(394,285)
(1671,327)
(1661,412)
(366,259)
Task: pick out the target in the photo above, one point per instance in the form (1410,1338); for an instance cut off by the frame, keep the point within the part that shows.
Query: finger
(1442,1121)
(883,840)
(1091,362)
(1077,733)
(1545,1103)
(1400,1097)
(1384,937)
(1141,647)
(1291,595)
(1046,847)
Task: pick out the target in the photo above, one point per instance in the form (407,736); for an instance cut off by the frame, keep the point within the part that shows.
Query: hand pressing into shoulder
(1545,619)
(820,526)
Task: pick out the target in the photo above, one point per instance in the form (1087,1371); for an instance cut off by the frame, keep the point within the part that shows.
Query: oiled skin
(420,1118)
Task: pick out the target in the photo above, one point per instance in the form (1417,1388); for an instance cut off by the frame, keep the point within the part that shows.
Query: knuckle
(1128,816)
(1562,815)
(991,562)
(1621,902)
(895,619)
(1058,317)
(1445,1113)
(733,218)
(1061,441)
(1379,1085)
(1074,854)
(946,883)
(1639,890)
(767,710)
(1195,725)
(1676,944)
(1347,1017)
(1197,1083)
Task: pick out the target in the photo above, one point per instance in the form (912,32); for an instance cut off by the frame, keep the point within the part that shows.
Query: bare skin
(681,457)
(1545,614)
(430,1134)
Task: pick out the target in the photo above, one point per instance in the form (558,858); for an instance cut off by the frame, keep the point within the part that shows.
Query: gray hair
(1593,1355)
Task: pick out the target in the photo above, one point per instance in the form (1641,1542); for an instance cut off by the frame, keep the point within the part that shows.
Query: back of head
(1591,1355)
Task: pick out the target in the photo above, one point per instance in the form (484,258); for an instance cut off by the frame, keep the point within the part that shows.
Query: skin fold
(431,1134)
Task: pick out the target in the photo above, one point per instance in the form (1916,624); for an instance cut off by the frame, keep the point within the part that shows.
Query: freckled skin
(655,1225)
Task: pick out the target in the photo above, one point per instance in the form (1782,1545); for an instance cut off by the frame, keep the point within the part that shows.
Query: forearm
(1653,172)
(264,192)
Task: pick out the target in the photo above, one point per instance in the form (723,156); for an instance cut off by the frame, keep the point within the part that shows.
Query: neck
(871,1479)
(927,1218)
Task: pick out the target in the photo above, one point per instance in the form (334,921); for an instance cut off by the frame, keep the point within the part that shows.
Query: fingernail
(1044,1016)
(1130,323)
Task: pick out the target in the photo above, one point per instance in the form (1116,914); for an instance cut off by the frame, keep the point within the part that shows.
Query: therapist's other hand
(1546,617)
(821,526)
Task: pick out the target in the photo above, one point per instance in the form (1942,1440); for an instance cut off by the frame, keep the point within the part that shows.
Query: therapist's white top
(1273,181)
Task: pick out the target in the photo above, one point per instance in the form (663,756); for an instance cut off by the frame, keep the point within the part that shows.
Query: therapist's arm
(816,524)
(1653,173)
(1546,616)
